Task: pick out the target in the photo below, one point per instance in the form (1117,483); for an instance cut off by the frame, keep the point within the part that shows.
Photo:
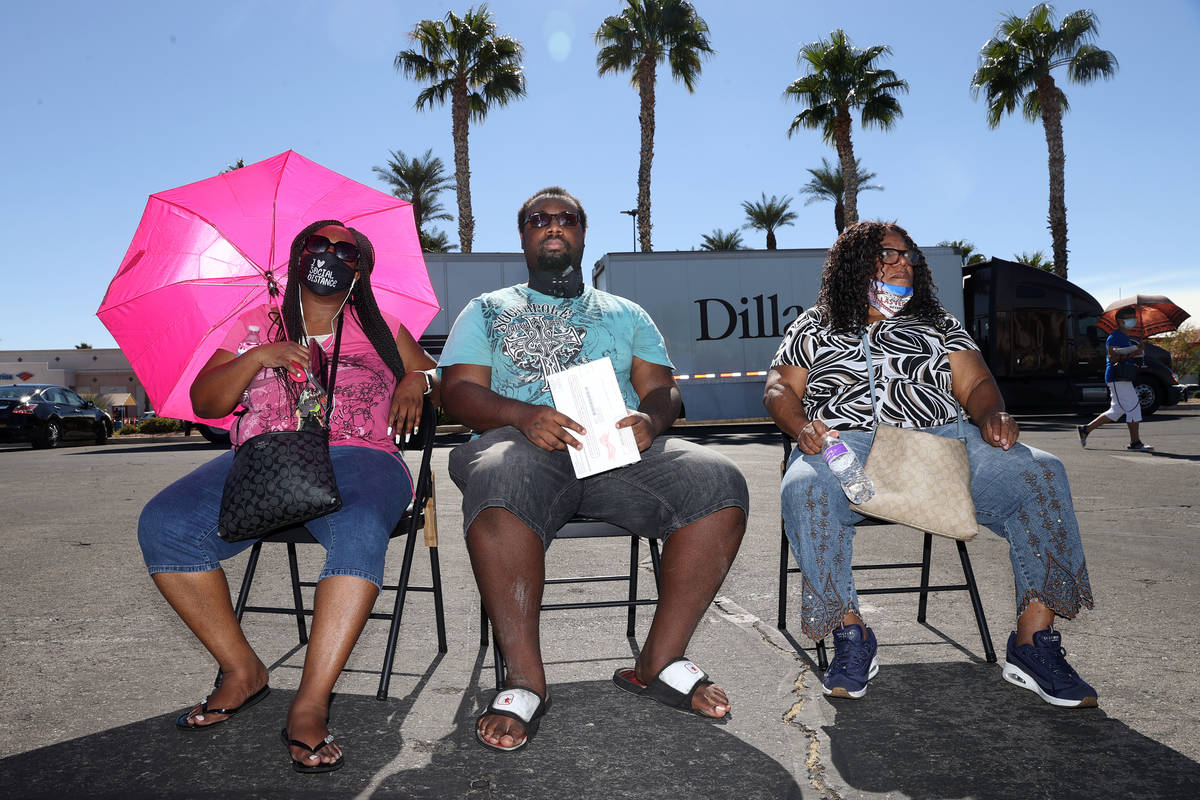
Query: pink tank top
(362,392)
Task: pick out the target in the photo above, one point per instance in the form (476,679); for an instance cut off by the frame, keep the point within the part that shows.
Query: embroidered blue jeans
(1020,494)
(178,527)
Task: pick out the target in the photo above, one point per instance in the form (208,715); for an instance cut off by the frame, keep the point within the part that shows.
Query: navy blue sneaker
(1042,667)
(854,662)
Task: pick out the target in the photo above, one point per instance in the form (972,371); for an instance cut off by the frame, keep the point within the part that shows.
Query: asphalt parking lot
(95,665)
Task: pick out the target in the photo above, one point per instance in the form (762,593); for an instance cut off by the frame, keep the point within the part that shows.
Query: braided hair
(851,266)
(361,301)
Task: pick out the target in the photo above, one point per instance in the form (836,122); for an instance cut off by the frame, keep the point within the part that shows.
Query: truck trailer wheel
(1150,394)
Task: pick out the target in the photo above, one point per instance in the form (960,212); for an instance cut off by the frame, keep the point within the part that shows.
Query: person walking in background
(1119,376)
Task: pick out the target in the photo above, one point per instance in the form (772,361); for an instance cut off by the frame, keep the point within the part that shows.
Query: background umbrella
(206,252)
(1155,314)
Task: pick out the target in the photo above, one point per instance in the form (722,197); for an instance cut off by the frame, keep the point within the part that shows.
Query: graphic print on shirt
(539,339)
(362,382)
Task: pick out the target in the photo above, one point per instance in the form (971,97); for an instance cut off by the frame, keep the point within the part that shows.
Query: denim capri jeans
(1020,494)
(674,484)
(178,527)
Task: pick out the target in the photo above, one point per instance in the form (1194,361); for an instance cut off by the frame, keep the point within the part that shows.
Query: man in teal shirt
(519,487)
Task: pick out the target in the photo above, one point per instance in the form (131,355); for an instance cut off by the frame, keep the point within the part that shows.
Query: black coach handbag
(282,478)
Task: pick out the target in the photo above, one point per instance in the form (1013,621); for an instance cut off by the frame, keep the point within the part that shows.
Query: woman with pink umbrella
(381,377)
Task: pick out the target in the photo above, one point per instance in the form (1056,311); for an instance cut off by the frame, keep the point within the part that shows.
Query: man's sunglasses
(540,219)
(317,244)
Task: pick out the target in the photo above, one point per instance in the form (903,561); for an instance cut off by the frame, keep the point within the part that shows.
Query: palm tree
(1015,67)
(435,241)
(842,78)
(235,165)
(966,251)
(1035,259)
(828,184)
(720,240)
(418,180)
(638,39)
(464,60)
(767,215)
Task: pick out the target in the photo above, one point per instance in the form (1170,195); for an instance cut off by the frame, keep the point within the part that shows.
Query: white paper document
(589,394)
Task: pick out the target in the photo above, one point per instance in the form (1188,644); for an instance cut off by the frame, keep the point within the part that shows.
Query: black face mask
(325,273)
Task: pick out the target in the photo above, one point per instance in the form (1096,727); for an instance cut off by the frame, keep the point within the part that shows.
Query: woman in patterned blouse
(876,284)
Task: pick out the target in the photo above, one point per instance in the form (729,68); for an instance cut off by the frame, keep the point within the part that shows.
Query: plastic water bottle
(848,469)
(253,339)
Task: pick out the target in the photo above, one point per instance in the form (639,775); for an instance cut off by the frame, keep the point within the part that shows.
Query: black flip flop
(515,702)
(673,686)
(185,724)
(309,769)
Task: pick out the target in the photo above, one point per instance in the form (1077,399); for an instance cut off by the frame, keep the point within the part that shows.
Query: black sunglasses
(890,255)
(317,244)
(540,219)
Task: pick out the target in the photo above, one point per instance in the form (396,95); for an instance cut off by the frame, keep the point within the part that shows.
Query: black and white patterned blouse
(912,370)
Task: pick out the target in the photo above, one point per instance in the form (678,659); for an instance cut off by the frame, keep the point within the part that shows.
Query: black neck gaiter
(565,283)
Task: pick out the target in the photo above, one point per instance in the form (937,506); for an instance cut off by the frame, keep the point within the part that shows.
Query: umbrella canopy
(205,253)
(1155,314)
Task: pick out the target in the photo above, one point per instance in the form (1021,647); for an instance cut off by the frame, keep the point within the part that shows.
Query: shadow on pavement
(598,742)
(958,730)
(595,742)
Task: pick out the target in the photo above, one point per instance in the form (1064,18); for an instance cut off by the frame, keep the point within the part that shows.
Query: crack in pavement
(729,610)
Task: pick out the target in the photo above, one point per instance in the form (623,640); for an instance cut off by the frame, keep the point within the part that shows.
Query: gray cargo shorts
(675,484)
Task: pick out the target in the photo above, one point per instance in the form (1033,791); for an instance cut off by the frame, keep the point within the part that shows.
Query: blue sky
(107,103)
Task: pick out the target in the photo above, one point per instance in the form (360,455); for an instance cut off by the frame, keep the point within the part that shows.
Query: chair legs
(631,602)
(923,590)
(401,588)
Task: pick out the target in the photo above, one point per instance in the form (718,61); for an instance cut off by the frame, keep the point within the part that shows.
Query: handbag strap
(866,340)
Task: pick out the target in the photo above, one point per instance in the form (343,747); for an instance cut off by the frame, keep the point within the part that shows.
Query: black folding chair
(585,528)
(421,515)
(923,588)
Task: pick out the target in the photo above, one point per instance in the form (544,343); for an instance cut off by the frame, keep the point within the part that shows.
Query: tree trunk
(1052,122)
(845,151)
(771,241)
(460,116)
(839,216)
(646,69)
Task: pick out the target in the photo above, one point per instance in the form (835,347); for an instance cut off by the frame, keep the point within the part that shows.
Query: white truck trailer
(721,313)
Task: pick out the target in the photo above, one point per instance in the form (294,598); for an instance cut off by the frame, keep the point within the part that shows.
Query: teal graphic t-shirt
(524,335)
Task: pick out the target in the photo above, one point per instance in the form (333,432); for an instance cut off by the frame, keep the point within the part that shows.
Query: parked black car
(45,415)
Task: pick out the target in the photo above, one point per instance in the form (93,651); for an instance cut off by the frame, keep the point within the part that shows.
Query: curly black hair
(556,192)
(851,266)
(361,301)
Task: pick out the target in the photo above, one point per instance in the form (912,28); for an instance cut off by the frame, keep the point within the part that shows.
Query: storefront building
(100,375)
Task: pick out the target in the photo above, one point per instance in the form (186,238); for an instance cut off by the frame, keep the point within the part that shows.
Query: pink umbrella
(206,252)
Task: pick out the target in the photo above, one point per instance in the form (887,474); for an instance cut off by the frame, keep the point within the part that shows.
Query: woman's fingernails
(389,433)
(397,437)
